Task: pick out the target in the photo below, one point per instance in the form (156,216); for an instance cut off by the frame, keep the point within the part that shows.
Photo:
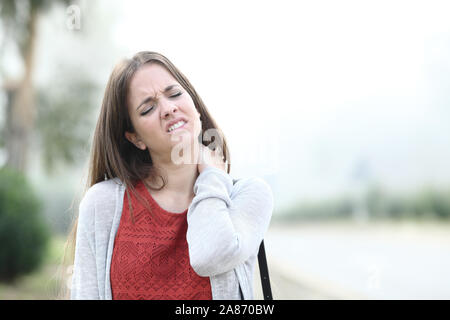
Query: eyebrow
(149,99)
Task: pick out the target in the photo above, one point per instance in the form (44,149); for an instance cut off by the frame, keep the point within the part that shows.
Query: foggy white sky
(304,91)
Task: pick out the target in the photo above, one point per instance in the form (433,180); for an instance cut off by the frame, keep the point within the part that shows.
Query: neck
(180,177)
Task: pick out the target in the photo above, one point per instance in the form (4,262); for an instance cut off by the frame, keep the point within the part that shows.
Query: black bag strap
(263,270)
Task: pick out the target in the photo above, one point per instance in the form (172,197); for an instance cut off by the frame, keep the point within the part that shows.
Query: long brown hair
(112,155)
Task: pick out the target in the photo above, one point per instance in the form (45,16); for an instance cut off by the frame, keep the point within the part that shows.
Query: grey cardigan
(226,224)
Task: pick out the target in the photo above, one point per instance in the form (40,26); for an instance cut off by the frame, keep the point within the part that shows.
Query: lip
(173,122)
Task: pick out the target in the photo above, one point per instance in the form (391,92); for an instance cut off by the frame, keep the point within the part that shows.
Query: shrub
(23,233)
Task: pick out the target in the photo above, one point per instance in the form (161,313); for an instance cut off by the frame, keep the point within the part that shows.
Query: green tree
(23,233)
(63,119)
(19,21)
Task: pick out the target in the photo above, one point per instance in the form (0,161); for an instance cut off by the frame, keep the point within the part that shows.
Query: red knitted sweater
(150,258)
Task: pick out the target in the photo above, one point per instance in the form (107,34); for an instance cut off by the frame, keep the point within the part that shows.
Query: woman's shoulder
(103,191)
(253,196)
(100,200)
(253,185)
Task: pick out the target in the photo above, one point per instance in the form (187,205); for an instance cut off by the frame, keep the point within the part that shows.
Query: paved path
(346,261)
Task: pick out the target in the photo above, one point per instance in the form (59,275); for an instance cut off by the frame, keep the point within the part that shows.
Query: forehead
(149,80)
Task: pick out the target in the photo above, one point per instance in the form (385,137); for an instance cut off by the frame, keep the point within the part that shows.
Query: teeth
(176,125)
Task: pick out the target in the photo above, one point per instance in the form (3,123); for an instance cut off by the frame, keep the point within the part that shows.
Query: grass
(41,284)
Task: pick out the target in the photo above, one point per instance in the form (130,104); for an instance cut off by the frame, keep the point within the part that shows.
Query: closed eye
(149,109)
(176,95)
(146,111)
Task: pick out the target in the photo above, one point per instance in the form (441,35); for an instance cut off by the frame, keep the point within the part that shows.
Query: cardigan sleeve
(84,278)
(226,222)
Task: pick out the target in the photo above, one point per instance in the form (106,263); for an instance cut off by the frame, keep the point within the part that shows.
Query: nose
(167,109)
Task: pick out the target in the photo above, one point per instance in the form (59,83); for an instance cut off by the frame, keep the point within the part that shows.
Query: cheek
(147,128)
(188,102)
(189,107)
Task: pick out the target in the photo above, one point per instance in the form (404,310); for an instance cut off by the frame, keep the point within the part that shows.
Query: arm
(226,223)
(84,280)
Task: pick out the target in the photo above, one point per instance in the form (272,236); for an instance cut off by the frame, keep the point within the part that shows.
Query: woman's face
(155,101)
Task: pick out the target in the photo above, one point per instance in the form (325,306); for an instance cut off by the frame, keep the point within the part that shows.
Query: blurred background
(342,107)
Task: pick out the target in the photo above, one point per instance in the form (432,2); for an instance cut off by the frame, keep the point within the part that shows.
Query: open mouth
(180,124)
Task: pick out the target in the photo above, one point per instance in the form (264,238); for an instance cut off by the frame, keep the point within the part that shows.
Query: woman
(162,218)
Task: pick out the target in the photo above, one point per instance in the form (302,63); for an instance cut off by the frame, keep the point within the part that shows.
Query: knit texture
(150,258)
(226,224)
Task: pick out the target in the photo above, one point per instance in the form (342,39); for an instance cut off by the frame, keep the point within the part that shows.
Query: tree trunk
(21,116)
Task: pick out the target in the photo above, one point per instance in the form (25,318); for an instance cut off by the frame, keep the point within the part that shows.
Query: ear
(134,139)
